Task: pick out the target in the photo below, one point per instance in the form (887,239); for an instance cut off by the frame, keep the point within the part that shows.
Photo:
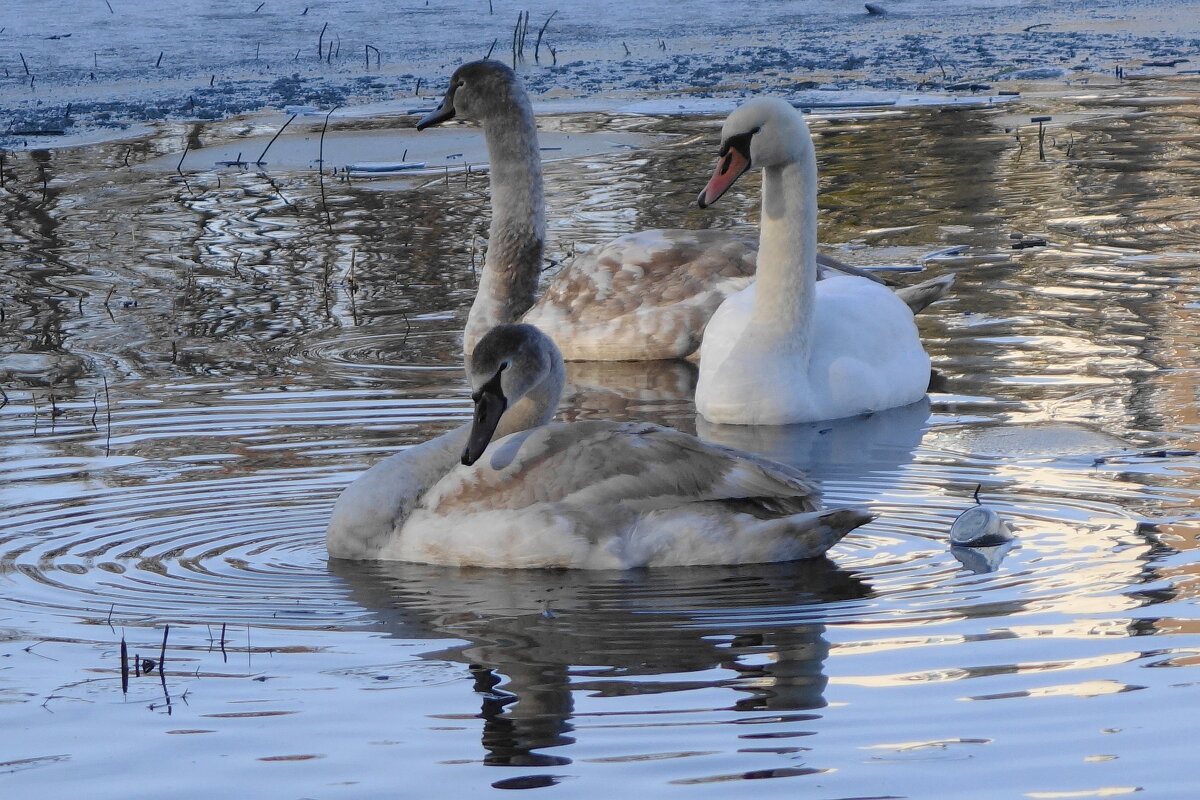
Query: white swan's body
(585,495)
(790,348)
(641,297)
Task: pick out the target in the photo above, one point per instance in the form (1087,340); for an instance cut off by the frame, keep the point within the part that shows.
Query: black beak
(490,404)
(440,114)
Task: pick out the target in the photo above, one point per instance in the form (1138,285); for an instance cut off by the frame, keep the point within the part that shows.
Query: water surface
(195,363)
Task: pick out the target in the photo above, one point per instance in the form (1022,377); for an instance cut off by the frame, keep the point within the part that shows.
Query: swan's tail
(813,533)
(919,296)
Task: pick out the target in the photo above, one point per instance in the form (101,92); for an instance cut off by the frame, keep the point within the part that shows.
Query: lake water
(196,363)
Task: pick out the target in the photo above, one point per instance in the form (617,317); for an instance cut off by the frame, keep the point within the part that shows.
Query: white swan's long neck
(516,238)
(787,251)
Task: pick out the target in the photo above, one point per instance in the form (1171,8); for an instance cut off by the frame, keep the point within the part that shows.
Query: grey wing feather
(638,465)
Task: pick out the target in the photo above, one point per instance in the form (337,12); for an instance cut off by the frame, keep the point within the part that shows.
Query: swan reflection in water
(841,449)
(647,391)
(535,637)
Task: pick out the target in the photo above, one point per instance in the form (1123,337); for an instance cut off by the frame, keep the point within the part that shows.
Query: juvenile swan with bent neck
(640,297)
(791,348)
(513,490)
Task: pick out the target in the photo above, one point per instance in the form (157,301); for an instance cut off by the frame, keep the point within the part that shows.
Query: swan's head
(478,90)
(508,363)
(764,132)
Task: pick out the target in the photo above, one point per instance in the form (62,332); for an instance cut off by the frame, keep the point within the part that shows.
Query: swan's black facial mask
(490,404)
(734,160)
(443,112)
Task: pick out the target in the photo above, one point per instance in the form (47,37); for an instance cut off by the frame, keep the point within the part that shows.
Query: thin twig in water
(516,28)
(321,42)
(490,49)
(162,652)
(261,155)
(39,655)
(321,169)
(124,666)
(538,44)
(108,415)
(187,146)
(938,61)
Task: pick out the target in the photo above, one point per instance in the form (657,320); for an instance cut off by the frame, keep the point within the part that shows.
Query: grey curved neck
(538,406)
(516,238)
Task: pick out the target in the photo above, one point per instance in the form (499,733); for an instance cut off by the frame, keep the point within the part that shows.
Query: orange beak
(731,166)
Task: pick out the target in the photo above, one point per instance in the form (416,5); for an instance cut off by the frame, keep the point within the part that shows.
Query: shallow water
(196,363)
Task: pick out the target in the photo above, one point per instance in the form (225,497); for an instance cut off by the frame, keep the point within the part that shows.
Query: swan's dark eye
(739,142)
(461,83)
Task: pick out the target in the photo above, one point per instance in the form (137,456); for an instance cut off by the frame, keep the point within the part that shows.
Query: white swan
(640,297)
(589,495)
(789,348)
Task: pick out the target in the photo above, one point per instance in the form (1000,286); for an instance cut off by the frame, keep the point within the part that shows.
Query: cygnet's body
(586,495)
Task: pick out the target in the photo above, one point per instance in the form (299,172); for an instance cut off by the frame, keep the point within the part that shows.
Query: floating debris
(385,166)
(979,526)
(945,252)
(1031,242)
